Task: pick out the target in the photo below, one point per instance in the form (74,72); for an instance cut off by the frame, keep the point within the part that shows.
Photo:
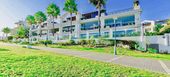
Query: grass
(22,62)
(120,51)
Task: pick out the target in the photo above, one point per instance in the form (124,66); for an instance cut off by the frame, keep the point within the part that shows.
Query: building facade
(85,26)
(148,25)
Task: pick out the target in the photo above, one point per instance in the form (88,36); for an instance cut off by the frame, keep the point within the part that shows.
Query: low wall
(163,41)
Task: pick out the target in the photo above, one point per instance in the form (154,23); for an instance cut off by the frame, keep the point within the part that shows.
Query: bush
(10,37)
(82,42)
(71,42)
(165,29)
(152,50)
(25,43)
(132,44)
(91,43)
(46,41)
(151,33)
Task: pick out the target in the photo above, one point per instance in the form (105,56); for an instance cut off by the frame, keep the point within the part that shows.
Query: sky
(12,11)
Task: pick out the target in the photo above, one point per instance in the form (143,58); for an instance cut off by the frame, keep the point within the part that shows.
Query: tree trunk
(53,26)
(99,22)
(70,26)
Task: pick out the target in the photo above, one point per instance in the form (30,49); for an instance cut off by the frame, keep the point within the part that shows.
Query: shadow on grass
(1,49)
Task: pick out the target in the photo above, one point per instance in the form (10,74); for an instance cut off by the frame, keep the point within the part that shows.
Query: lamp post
(115,52)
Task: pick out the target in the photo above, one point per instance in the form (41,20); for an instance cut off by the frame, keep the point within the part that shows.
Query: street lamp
(115,53)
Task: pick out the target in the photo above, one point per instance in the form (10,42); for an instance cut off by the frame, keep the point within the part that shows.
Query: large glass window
(69,28)
(119,33)
(105,34)
(122,21)
(123,33)
(89,26)
(82,36)
(95,35)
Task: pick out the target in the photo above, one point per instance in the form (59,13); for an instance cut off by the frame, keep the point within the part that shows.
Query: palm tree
(70,6)
(6,31)
(99,4)
(53,10)
(30,20)
(39,18)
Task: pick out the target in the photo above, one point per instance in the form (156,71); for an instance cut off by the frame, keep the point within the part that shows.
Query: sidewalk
(141,63)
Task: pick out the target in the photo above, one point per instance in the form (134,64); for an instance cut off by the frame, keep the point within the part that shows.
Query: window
(89,26)
(119,33)
(122,21)
(69,28)
(95,35)
(82,36)
(105,34)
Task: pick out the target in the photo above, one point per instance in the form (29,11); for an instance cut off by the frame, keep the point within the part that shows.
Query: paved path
(141,63)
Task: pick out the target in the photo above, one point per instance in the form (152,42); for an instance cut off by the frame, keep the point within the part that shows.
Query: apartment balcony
(120,24)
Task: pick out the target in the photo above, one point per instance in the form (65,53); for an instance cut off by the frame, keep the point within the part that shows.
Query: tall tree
(39,18)
(99,4)
(70,6)
(53,10)
(6,31)
(30,20)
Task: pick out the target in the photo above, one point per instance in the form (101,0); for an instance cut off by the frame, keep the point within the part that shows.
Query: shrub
(151,33)
(82,42)
(25,43)
(71,42)
(10,37)
(152,50)
(131,44)
(46,41)
(91,42)
(165,29)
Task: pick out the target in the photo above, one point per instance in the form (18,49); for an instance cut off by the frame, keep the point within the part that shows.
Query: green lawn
(120,51)
(22,62)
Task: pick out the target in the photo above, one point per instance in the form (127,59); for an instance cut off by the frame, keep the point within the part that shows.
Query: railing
(120,11)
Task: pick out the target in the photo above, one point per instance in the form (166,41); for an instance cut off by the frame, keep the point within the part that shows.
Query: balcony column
(111,34)
(60,28)
(87,35)
(102,21)
(77,26)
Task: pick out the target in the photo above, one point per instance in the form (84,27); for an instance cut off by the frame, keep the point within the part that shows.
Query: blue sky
(14,10)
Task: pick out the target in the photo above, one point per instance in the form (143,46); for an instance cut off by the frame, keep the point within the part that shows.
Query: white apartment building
(148,25)
(84,26)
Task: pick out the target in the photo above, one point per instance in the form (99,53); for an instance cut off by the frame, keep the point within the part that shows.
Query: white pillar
(111,34)
(87,35)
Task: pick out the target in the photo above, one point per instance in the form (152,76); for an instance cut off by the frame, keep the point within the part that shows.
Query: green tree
(165,29)
(40,17)
(158,27)
(30,20)
(21,33)
(53,10)
(70,6)
(168,22)
(99,4)
(6,31)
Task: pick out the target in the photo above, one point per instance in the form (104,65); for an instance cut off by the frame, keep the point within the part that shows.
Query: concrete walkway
(141,63)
